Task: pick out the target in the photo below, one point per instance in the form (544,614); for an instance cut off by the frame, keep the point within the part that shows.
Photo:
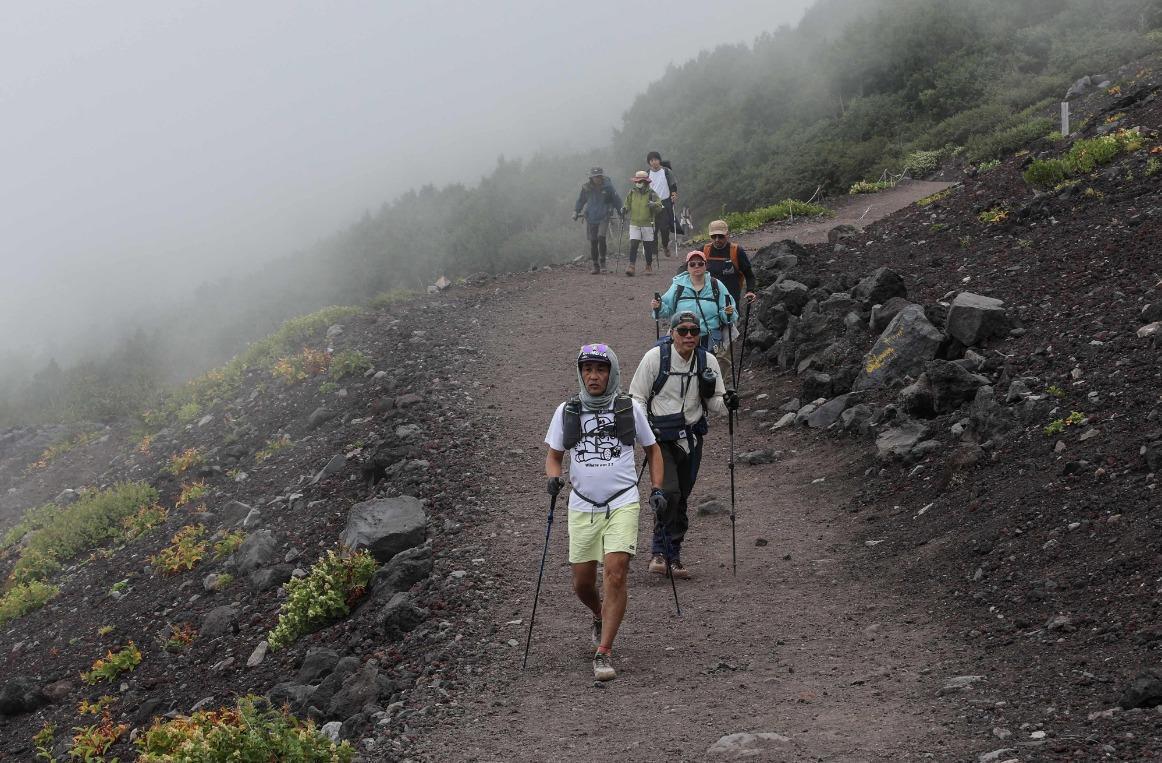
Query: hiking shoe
(649,268)
(678,570)
(603,667)
(596,633)
(596,271)
(658,564)
(630,270)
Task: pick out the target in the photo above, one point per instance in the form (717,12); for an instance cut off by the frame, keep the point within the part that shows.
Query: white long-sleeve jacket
(680,392)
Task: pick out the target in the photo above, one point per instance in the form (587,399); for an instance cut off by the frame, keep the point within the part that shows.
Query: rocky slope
(1007,390)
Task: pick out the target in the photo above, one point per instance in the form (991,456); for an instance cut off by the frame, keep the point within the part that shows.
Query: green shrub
(93,519)
(1083,157)
(229,544)
(999,144)
(1046,173)
(334,583)
(113,664)
(250,731)
(33,519)
(923,162)
(348,363)
(24,598)
(1153,166)
(869,186)
(991,164)
(147,518)
(741,222)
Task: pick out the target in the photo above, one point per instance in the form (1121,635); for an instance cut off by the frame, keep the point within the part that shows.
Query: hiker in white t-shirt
(662,183)
(598,430)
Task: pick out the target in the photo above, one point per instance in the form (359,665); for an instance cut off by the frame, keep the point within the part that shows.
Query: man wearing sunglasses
(598,429)
(727,261)
(678,381)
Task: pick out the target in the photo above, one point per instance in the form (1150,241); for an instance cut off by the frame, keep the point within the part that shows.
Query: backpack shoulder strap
(571,422)
(706,250)
(623,419)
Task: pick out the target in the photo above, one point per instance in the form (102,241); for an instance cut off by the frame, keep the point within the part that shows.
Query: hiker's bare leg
(613,610)
(585,586)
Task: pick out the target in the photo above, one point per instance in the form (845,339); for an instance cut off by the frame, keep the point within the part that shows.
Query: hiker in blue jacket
(702,294)
(600,201)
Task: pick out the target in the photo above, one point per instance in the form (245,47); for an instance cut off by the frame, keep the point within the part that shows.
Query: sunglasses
(718,236)
(688,331)
(695,264)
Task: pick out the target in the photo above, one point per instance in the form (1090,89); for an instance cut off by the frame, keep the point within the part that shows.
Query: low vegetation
(90,743)
(250,731)
(869,186)
(113,664)
(933,198)
(1083,157)
(186,549)
(23,598)
(308,362)
(348,363)
(95,518)
(332,586)
(52,452)
(193,491)
(272,447)
(180,463)
(1057,426)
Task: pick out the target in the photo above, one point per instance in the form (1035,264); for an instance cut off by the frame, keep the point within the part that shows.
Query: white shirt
(680,392)
(659,184)
(600,467)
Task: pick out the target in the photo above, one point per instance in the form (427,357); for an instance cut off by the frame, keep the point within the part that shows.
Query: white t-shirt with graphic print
(600,467)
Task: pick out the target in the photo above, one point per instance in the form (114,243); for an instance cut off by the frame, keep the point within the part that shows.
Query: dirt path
(796,645)
(859,210)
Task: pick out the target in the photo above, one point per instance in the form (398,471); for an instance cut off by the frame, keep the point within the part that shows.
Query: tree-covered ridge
(857,86)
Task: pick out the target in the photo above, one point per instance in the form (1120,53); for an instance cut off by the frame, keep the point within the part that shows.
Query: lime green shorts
(592,536)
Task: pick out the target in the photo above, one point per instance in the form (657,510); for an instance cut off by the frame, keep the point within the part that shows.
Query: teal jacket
(681,296)
(641,206)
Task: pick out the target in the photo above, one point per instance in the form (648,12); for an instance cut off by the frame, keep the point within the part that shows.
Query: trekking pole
(733,547)
(657,329)
(669,555)
(674,220)
(742,355)
(541,574)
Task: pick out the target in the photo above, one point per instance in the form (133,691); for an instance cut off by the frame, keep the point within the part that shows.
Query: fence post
(1064,118)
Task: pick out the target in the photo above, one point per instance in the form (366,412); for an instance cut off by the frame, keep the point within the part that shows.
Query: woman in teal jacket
(702,294)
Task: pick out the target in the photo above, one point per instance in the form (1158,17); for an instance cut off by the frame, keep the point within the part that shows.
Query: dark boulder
(21,695)
(878,288)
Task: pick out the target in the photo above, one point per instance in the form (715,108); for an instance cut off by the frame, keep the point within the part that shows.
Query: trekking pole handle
(658,297)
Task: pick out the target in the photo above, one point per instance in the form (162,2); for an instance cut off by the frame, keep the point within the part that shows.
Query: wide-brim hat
(641,175)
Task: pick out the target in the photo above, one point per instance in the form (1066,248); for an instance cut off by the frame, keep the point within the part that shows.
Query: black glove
(730,399)
(658,500)
(555,485)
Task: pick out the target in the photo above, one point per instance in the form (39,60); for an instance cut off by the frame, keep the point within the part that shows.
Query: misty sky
(148,146)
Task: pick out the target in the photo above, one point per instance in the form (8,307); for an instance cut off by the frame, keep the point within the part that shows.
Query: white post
(1064,118)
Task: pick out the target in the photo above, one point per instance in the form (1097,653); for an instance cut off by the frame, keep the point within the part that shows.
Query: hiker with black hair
(641,204)
(666,187)
(678,382)
(600,201)
(598,429)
